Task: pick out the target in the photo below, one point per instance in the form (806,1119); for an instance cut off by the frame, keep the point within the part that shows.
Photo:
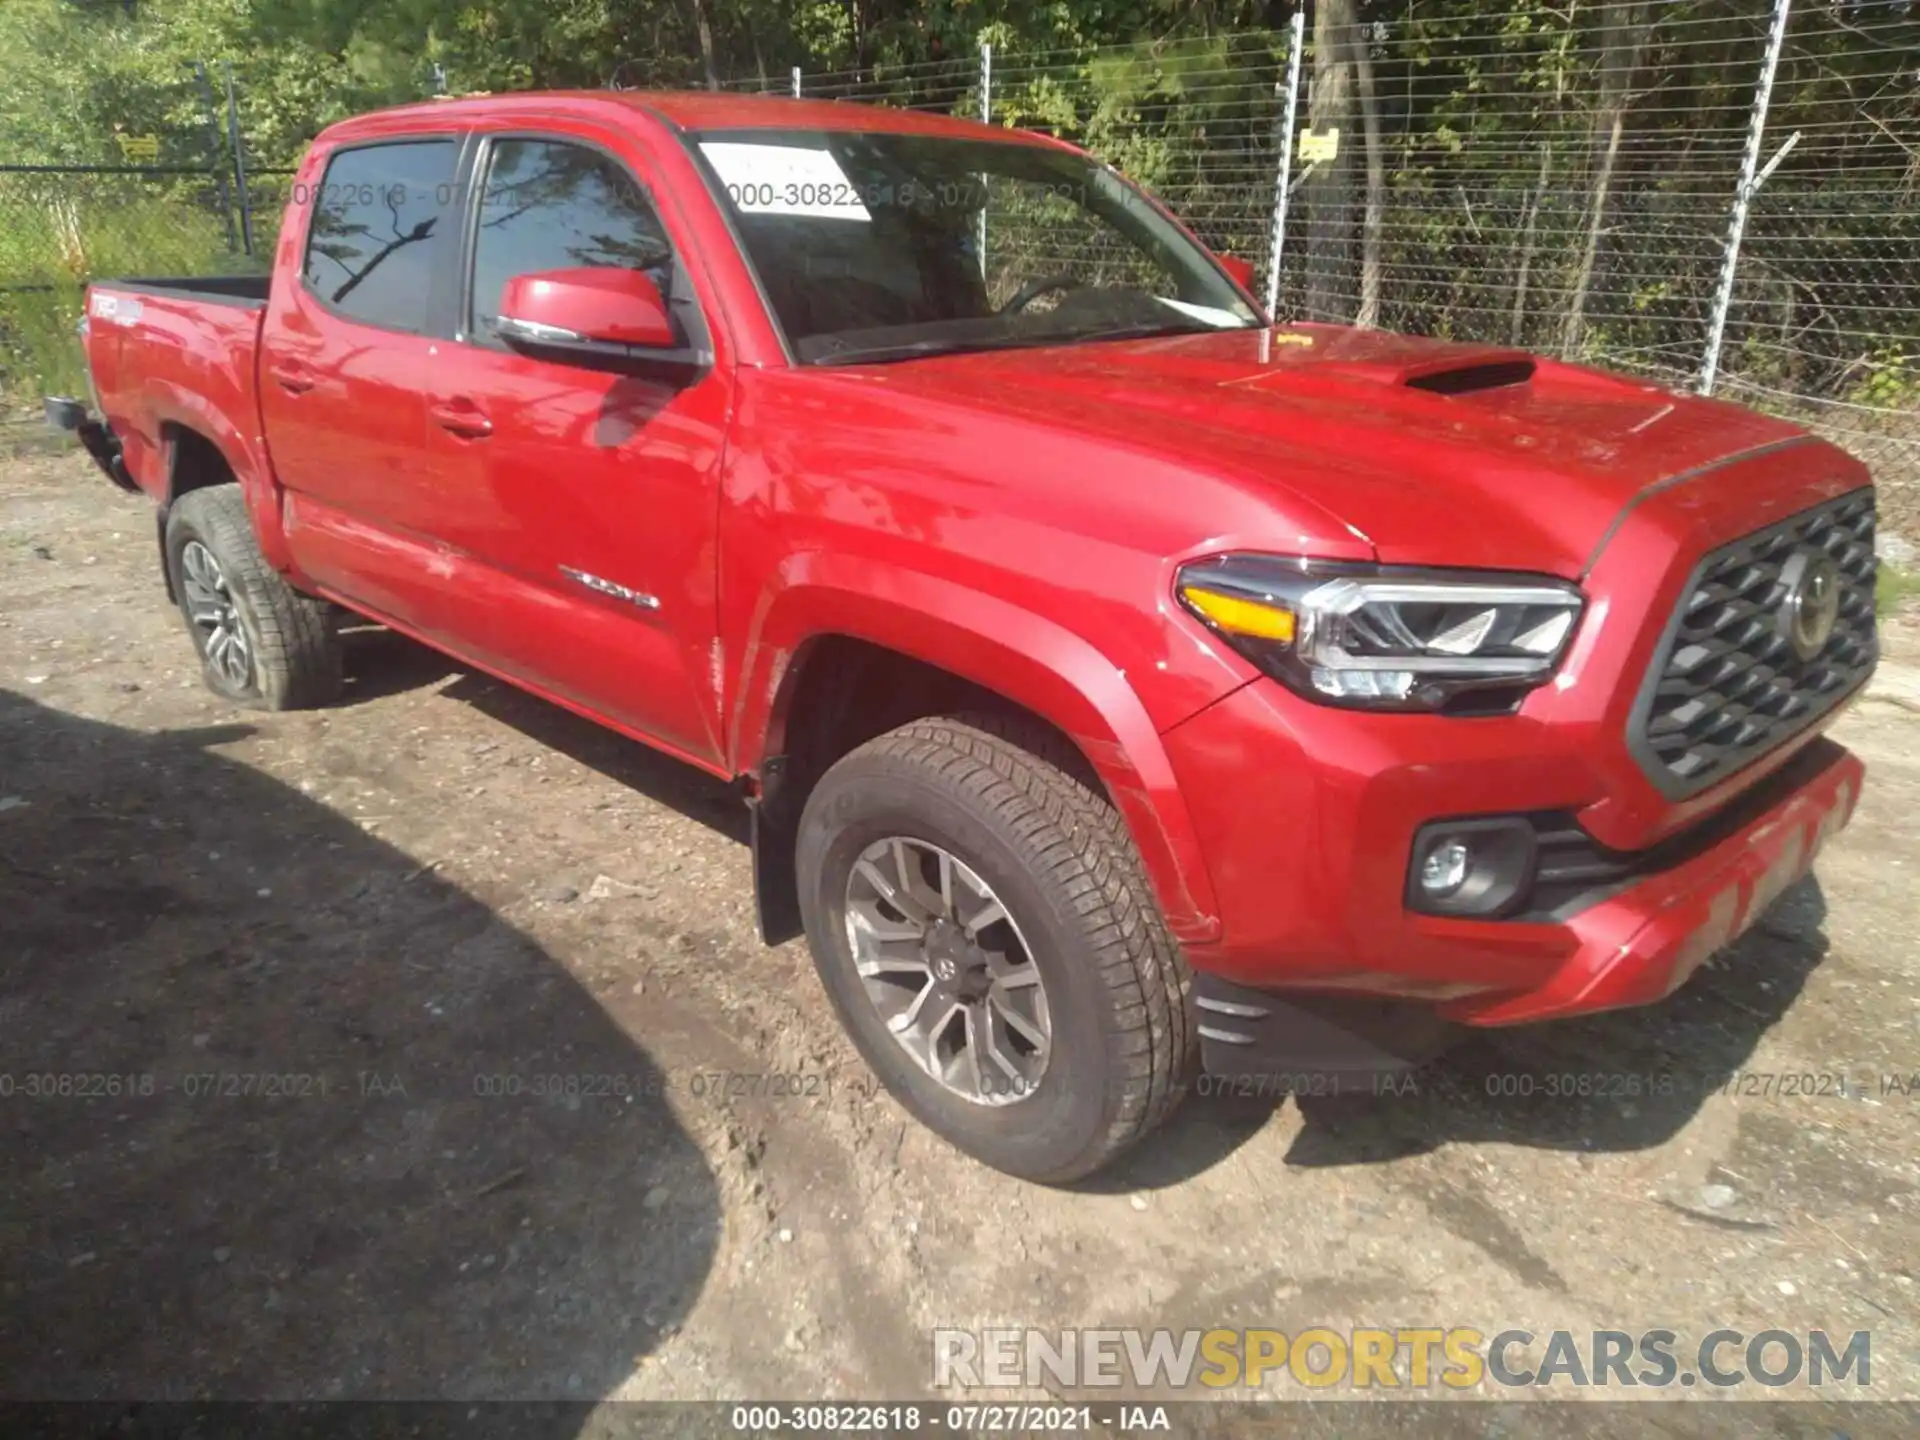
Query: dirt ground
(392,919)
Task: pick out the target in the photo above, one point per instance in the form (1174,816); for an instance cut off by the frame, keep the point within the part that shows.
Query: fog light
(1480,867)
(1445,868)
(1363,684)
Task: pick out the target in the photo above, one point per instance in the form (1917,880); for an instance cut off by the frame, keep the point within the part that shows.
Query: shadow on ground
(268,1116)
(679,786)
(379,662)
(1625,1080)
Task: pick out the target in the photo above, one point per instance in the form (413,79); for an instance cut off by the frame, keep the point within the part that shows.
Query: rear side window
(380,216)
(548,205)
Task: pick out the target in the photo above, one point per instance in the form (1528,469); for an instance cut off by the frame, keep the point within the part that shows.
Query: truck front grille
(1727,683)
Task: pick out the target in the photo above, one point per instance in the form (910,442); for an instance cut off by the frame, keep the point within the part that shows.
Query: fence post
(213,154)
(1743,197)
(1284,181)
(239,166)
(796,82)
(986,118)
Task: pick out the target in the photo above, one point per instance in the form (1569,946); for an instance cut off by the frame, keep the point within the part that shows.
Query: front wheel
(980,920)
(261,642)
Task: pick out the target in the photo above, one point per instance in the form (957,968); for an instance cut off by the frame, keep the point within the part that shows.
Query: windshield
(875,247)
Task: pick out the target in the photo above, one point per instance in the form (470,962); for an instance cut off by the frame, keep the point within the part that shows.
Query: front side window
(380,215)
(874,246)
(548,205)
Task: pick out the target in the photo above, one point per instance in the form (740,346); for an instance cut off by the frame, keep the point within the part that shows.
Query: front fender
(1025,657)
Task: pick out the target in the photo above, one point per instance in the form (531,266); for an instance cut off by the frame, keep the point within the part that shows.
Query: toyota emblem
(1812,604)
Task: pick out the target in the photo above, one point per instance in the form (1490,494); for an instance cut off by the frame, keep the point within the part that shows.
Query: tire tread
(1041,789)
(297,666)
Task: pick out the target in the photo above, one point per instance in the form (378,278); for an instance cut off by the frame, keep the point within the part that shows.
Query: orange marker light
(1238,616)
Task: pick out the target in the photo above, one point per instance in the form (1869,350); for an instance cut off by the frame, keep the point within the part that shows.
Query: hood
(1431,452)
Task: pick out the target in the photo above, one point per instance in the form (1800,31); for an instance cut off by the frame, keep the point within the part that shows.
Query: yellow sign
(137,148)
(1320,144)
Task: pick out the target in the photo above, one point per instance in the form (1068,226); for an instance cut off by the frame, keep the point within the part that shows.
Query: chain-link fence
(1565,180)
(1723,197)
(63,226)
(1718,194)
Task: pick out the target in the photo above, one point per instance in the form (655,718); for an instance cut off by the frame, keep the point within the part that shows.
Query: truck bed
(180,350)
(246,291)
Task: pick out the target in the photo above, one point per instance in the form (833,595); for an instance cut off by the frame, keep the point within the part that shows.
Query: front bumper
(1307,818)
(1642,944)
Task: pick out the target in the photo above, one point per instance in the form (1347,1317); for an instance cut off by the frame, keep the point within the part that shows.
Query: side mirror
(590,308)
(1240,270)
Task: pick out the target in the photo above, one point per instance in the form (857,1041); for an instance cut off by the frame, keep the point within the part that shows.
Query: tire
(1014,808)
(289,655)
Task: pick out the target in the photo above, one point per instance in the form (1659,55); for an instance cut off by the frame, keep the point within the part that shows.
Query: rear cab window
(384,229)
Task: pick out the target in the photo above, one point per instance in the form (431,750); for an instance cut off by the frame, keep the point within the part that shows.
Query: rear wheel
(979,917)
(260,642)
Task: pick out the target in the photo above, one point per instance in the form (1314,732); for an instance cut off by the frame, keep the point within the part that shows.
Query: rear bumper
(100,443)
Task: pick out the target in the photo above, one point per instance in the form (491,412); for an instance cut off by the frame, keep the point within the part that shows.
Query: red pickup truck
(1120,682)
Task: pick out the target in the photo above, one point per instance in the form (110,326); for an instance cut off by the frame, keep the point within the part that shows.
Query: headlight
(1386,638)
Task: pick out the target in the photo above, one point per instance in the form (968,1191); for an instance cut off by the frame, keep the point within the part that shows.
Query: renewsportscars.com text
(1406,1357)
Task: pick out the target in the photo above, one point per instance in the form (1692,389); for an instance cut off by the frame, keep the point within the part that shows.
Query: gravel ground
(390,920)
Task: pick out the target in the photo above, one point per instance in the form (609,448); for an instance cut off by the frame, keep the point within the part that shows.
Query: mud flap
(776,889)
(166,571)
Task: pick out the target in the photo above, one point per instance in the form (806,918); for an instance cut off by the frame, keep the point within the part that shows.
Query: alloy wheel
(210,606)
(945,964)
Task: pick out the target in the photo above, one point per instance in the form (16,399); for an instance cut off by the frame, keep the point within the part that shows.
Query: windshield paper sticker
(784,180)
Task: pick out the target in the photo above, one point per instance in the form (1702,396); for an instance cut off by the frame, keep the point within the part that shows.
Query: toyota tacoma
(1122,683)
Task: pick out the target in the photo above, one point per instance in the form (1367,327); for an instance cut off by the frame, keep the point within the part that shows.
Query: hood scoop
(1470,379)
(1465,371)
(1372,359)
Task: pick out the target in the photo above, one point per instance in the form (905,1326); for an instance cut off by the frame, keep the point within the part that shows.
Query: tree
(1359,44)
(1328,187)
(1623,39)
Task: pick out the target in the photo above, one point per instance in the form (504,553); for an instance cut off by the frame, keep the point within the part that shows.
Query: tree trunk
(1529,227)
(1374,220)
(703,28)
(1327,194)
(1623,36)
(1573,330)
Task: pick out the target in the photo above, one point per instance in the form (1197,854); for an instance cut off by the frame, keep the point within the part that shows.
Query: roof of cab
(697,110)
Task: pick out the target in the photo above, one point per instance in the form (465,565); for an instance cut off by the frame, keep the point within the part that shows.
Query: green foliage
(1894,590)
(1488,113)
(38,352)
(57,232)
(1890,380)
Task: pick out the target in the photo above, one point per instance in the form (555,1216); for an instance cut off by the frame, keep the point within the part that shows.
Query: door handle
(292,377)
(463,418)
